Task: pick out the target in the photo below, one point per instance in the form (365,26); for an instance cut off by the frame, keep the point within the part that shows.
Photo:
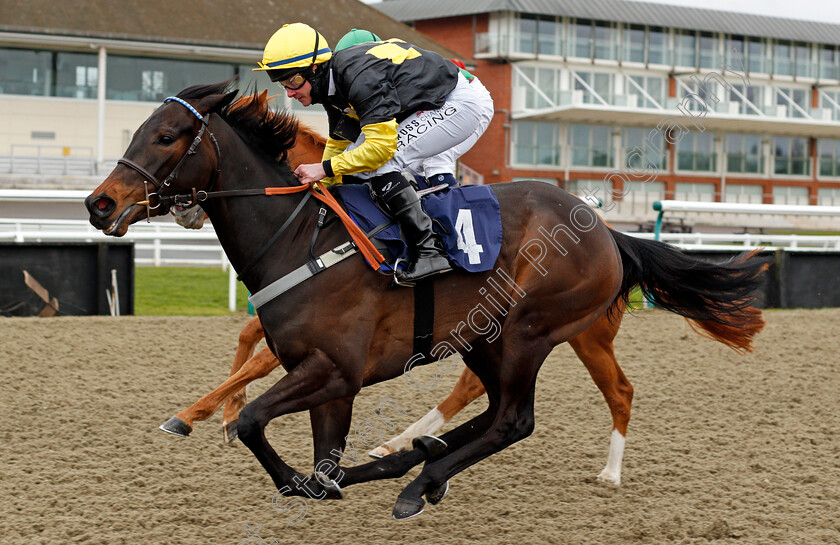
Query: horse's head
(173,152)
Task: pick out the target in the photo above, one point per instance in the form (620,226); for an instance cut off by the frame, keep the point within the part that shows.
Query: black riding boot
(416,225)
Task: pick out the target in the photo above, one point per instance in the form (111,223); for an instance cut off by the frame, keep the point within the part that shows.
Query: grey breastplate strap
(310,269)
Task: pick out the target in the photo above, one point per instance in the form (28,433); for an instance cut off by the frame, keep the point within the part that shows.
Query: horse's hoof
(431,445)
(176,426)
(331,487)
(380,452)
(230,431)
(435,496)
(406,508)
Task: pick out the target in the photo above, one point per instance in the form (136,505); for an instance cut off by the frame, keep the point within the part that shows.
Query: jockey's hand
(310,173)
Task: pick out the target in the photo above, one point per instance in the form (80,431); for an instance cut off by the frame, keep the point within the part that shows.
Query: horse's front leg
(315,381)
(330,426)
(249,337)
(257,367)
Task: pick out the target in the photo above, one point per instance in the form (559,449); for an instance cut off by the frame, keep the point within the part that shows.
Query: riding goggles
(293,83)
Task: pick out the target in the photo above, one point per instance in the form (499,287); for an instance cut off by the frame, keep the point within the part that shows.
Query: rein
(360,240)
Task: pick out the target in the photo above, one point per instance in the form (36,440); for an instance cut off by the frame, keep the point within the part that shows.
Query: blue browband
(187,105)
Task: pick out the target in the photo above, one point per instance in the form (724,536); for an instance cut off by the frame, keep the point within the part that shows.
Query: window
(828,196)
(685,48)
(708,93)
(830,100)
(658,50)
(828,152)
(829,62)
(583,37)
(756,56)
(790,195)
(549,36)
(25,72)
(736,51)
(653,86)
(696,152)
(790,156)
(600,83)
(782,58)
(694,192)
(743,193)
(536,143)
(650,149)
(544,79)
(76,75)
(802,54)
(709,55)
(527,35)
(606,46)
(594,40)
(590,145)
(146,79)
(752,93)
(787,97)
(634,43)
(743,153)
(249,80)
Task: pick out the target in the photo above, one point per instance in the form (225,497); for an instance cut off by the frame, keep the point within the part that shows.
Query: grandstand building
(76,82)
(579,85)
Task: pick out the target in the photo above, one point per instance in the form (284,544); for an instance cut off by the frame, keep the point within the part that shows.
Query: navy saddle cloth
(469,215)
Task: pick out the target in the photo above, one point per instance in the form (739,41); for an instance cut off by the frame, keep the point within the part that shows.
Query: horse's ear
(214,103)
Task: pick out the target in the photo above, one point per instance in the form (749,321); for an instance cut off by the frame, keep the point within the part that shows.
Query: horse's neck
(244,224)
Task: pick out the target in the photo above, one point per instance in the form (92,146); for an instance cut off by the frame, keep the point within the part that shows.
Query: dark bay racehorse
(559,270)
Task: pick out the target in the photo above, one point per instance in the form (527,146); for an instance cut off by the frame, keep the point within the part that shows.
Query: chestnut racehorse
(346,328)
(594,347)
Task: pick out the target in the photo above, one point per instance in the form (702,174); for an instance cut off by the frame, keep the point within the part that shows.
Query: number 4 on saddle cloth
(467,219)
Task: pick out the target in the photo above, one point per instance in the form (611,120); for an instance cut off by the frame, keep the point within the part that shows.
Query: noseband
(148,177)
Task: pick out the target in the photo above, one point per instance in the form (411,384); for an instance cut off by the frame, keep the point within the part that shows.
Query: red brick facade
(491,154)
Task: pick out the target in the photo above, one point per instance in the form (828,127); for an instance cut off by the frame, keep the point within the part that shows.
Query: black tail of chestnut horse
(705,292)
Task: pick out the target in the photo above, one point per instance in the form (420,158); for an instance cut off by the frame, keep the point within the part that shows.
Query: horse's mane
(271,132)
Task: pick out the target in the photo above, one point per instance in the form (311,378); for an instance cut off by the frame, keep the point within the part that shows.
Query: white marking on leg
(427,425)
(612,472)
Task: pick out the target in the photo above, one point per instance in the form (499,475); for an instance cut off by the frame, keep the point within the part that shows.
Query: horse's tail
(716,297)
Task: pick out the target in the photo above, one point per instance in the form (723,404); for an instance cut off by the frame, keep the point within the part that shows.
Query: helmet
(295,46)
(355,37)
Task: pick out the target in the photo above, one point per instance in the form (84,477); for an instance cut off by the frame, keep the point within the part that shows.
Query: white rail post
(231,289)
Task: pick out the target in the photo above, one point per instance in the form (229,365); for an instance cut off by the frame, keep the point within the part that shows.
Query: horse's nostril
(101,205)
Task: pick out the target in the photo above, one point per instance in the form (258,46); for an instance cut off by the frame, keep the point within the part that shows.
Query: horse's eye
(165,139)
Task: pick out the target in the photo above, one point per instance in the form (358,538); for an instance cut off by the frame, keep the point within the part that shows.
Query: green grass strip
(184,291)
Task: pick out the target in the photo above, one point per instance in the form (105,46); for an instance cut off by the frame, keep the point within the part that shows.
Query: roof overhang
(130,47)
(604,115)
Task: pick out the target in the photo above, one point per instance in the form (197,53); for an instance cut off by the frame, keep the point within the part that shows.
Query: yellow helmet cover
(294,46)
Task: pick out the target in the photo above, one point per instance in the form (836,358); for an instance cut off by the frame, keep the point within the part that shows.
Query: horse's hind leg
(467,389)
(595,349)
(510,415)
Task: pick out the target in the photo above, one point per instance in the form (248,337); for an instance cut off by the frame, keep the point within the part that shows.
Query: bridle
(160,186)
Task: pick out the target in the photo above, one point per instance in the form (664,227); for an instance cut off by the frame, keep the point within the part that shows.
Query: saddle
(467,219)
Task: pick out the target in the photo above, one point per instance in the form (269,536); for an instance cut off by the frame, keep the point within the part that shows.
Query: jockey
(390,106)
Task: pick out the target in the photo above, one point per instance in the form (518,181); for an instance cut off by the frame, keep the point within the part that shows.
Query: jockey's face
(302,94)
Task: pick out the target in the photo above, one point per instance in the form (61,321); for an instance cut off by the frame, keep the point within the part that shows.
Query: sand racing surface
(721,448)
